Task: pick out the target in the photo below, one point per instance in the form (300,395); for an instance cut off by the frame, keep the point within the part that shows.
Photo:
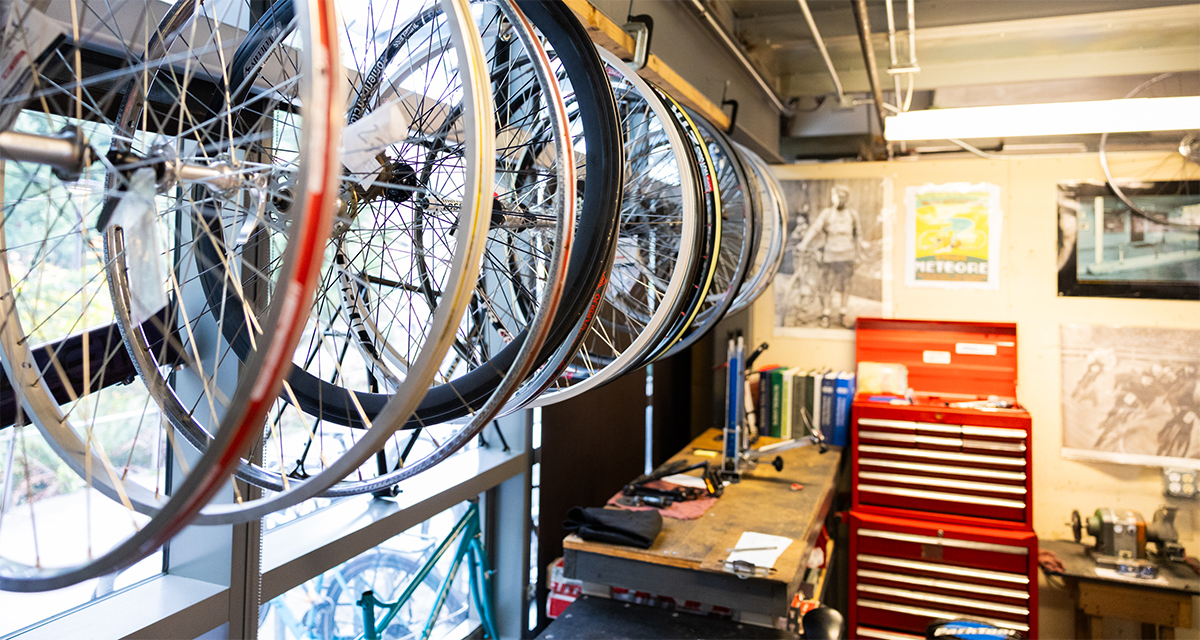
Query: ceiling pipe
(716,27)
(864,38)
(812,26)
(892,51)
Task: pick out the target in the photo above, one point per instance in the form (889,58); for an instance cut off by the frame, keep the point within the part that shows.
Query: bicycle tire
(471,223)
(540,326)
(379,559)
(774,217)
(1176,173)
(612,348)
(251,400)
(737,233)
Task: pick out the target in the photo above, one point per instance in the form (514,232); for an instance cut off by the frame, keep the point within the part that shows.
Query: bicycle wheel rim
(737,231)
(474,219)
(774,216)
(472,223)
(764,229)
(1175,173)
(529,348)
(550,386)
(711,231)
(250,402)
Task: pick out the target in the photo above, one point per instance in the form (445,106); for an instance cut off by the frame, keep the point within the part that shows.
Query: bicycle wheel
(710,247)
(67,226)
(737,234)
(1164,174)
(588,102)
(386,573)
(420,72)
(515,298)
(771,215)
(657,250)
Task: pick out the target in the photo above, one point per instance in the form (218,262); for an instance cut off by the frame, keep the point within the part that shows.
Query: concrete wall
(1027,296)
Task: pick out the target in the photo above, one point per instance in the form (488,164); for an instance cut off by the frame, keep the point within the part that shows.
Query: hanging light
(1052,119)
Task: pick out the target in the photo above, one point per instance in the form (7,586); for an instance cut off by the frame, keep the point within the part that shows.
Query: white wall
(1027,296)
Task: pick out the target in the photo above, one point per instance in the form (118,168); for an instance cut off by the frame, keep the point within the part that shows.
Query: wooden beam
(609,35)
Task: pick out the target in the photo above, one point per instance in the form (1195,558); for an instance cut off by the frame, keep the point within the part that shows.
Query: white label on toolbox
(936,357)
(973,349)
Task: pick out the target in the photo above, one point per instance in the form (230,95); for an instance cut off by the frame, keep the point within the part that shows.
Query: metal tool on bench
(1161,531)
(1118,533)
(636,493)
(1120,540)
(738,457)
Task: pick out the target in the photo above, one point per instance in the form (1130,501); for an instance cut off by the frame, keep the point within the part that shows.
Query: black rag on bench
(632,528)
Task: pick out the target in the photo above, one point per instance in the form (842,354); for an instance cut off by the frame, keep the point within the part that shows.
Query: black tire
(708,317)
(591,257)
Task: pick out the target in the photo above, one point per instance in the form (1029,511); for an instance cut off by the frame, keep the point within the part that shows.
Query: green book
(776,401)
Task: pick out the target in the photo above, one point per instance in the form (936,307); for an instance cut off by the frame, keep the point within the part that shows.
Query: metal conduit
(864,38)
(716,27)
(812,26)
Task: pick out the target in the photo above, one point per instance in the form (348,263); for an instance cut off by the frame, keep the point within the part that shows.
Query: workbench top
(1078,564)
(763,502)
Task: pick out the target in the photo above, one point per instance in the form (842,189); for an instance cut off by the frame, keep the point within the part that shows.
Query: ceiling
(969,52)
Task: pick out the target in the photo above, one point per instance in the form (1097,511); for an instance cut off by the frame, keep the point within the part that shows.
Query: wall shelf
(609,35)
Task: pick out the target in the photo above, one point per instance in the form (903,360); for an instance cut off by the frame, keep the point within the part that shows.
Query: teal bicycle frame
(470,549)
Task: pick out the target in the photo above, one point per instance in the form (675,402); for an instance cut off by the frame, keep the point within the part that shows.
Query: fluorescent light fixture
(1054,119)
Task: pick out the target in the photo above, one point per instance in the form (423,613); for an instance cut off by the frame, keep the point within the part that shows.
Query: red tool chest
(906,573)
(942,511)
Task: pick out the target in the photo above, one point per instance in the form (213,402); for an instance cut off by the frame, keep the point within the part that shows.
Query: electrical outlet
(1180,483)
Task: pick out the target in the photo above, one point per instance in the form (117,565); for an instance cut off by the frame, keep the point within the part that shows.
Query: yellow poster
(953,236)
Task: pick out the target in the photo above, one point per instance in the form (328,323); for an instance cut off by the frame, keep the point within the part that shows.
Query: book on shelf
(828,392)
(845,397)
(776,401)
(764,399)
(798,407)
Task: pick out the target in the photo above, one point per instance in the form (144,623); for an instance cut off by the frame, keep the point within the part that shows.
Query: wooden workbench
(686,559)
(1159,605)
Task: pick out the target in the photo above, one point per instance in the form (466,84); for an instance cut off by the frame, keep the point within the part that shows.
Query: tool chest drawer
(964,466)
(906,573)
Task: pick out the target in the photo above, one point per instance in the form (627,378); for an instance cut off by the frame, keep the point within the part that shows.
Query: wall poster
(1108,249)
(836,263)
(953,236)
(1131,395)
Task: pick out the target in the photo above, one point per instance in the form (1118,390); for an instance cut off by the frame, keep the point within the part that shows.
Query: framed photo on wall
(1131,395)
(836,263)
(1106,248)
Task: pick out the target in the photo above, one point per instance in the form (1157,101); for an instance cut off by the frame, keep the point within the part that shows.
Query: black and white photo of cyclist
(832,271)
(1131,394)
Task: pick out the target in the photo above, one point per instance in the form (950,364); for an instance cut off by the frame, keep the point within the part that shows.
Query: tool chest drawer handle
(949,585)
(935,614)
(944,497)
(945,542)
(949,601)
(896,424)
(1015,476)
(933,567)
(993,432)
(879,634)
(940,428)
(910,438)
(990,445)
(944,456)
(965,485)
